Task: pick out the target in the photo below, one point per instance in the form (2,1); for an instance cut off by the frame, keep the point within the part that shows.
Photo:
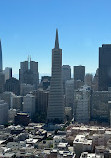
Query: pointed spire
(57,40)
(0,56)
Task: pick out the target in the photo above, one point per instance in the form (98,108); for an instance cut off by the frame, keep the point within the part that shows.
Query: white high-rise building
(55,103)
(3,112)
(29,104)
(82,104)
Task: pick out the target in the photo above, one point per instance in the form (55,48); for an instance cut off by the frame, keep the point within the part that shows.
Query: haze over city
(27,27)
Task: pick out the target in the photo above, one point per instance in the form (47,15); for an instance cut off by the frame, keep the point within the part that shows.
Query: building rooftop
(79,139)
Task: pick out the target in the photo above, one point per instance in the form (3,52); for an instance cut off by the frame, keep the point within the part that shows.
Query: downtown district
(59,116)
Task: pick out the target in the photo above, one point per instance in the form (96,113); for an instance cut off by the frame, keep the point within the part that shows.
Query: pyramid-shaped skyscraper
(55,103)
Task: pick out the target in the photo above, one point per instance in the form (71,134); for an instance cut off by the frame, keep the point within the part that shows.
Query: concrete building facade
(82,105)
(26,88)
(29,104)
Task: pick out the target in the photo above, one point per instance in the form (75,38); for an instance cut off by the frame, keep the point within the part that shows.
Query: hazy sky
(27,27)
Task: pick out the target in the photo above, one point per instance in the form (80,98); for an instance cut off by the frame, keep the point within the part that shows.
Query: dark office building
(79,73)
(99,106)
(104,67)
(2,82)
(45,82)
(28,73)
(12,85)
(0,57)
(42,101)
(66,75)
(22,119)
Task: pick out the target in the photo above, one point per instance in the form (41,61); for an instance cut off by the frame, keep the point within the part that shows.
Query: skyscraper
(79,73)
(0,56)
(55,103)
(66,75)
(8,73)
(69,94)
(104,67)
(82,104)
(28,73)
(13,85)
(3,112)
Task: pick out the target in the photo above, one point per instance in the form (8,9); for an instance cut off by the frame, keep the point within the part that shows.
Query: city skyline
(29,29)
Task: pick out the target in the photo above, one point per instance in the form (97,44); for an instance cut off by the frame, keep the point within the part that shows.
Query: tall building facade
(42,101)
(82,105)
(95,81)
(104,67)
(8,73)
(55,102)
(79,73)
(69,98)
(2,82)
(29,104)
(25,89)
(0,57)
(13,85)
(99,106)
(66,74)
(28,73)
(3,112)
(88,79)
